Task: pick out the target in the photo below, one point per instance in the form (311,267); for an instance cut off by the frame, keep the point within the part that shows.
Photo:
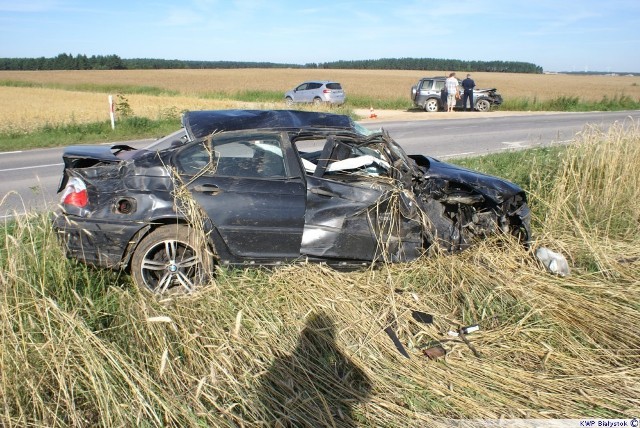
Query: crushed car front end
(465,206)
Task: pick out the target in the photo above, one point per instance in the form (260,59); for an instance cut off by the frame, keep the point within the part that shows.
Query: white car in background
(316,92)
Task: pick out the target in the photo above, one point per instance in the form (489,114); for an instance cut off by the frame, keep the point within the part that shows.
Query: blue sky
(559,35)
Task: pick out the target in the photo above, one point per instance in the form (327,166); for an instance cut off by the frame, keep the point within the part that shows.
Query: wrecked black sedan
(253,187)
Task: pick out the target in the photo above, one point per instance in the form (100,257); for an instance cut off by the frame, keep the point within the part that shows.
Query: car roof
(320,81)
(201,123)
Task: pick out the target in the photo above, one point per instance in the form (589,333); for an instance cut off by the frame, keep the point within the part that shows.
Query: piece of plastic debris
(453,333)
(422,317)
(466,341)
(397,342)
(470,329)
(554,262)
(434,352)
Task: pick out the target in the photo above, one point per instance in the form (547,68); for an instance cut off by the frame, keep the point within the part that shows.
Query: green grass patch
(92,87)
(130,128)
(379,103)
(572,104)
(249,95)
(517,165)
(263,96)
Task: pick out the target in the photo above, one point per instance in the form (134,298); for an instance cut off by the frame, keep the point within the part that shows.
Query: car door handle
(207,188)
(320,191)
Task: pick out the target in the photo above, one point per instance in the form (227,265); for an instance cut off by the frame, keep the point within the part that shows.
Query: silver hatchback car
(316,92)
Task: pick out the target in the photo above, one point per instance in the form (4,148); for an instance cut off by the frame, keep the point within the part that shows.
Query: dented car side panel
(355,221)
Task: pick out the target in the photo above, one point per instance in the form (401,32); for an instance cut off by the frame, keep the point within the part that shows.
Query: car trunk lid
(88,156)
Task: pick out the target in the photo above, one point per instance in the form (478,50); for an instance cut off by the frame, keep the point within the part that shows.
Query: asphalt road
(477,136)
(29,179)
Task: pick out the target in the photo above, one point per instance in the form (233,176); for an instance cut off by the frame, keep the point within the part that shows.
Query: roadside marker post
(112,113)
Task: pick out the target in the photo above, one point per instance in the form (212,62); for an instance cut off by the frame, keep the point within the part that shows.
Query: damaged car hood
(490,186)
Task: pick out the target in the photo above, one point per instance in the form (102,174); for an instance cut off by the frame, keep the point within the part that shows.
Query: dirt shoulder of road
(418,114)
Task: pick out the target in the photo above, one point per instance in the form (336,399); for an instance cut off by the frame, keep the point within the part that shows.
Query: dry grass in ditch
(305,345)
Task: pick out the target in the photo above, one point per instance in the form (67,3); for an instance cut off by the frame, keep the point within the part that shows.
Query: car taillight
(75,193)
(326,91)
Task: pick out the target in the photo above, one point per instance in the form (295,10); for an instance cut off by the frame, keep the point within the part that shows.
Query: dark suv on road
(427,93)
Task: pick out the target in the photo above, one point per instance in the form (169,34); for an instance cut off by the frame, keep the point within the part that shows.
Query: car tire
(431,105)
(317,101)
(171,259)
(483,105)
(288,101)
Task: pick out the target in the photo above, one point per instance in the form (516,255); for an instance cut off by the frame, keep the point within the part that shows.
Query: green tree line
(114,62)
(435,64)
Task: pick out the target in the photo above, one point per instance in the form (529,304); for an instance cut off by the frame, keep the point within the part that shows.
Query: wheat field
(27,108)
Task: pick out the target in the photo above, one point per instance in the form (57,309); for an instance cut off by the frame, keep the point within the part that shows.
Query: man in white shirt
(452,91)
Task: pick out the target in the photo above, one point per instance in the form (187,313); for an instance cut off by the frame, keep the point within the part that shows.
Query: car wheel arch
(431,104)
(172,257)
(483,104)
(151,226)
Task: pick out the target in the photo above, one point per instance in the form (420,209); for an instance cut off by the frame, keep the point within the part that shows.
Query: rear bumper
(95,242)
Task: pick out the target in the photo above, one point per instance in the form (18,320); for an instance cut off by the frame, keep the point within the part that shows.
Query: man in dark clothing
(468,84)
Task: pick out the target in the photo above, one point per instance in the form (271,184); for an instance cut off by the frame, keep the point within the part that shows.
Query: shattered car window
(238,157)
(363,160)
(196,159)
(340,158)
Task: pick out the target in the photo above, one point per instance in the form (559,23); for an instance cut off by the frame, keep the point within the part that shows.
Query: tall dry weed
(594,202)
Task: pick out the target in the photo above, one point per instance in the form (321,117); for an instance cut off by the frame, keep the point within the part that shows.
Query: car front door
(248,187)
(312,92)
(354,212)
(301,93)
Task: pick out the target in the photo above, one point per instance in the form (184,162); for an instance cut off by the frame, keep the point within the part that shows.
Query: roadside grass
(304,345)
(572,104)
(159,121)
(248,95)
(277,97)
(363,101)
(129,128)
(93,87)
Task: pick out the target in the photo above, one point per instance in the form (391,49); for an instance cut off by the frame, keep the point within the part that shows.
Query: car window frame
(429,87)
(208,149)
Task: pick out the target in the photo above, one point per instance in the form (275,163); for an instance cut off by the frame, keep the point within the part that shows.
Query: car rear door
(426,88)
(251,191)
